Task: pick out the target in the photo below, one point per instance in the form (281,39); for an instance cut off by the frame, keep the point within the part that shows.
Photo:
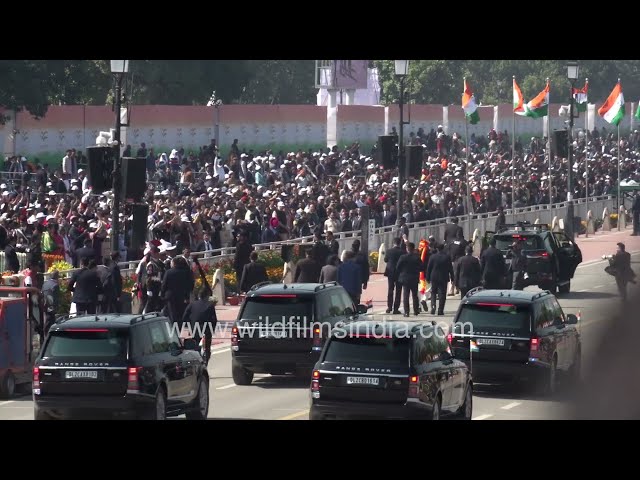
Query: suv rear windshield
(100,343)
(493,317)
(531,241)
(358,350)
(274,309)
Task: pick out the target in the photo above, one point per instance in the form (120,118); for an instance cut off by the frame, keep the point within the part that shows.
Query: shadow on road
(587,295)
(521,392)
(282,381)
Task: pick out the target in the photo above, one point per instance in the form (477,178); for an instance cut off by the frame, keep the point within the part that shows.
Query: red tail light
(317,339)
(450,337)
(234,338)
(87,330)
(315,384)
(413,387)
(36,378)
(538,255)
(133,385)
(535,345)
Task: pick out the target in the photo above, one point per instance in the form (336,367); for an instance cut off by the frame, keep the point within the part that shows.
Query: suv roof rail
(260,284)
(473,291)
(541,294)
(145,316)
(325,285)
(521,226)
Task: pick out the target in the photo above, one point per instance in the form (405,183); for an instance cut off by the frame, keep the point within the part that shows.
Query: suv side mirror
(572,319)
(189,344)
(362,309)
(175,348)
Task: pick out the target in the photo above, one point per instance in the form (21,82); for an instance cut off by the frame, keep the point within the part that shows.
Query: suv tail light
(317,339)
(36,380)
(133,386)
(534,348)
(413,386)
(450,337)
(234,338)
(315,384)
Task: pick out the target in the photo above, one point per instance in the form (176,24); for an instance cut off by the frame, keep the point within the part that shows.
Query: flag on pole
(518,99)
(538,107)
(638,111)
(469,105)
(580,97)
(613,108)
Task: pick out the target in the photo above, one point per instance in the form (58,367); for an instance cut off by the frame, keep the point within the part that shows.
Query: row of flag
(612,110)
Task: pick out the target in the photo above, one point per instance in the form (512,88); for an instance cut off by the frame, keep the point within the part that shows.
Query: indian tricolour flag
(613,109)
(518,99)
(469,105)
(539,106)
(580,97)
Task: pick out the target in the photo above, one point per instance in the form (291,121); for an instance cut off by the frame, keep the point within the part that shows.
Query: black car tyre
(240,375)
(159,411)
(565,288)
(550,379)
(465,412)
(7,385)
(201,403)
(435,411)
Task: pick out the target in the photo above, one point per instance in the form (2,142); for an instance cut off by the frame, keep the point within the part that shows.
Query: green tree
(279,82)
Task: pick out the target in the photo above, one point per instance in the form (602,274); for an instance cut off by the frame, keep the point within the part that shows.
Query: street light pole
(572,74)
(119,68)
(401,70)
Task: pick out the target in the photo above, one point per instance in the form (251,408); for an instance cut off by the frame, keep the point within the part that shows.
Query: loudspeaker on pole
(100,168)
(415,157)
(134,178)
(387,152)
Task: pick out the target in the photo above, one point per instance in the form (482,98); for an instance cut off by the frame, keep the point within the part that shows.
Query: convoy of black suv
(552,257)
(281,328)
(119,365)
(516,337)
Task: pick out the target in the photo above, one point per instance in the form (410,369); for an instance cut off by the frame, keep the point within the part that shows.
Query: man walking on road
(202,313)
(467,272)
(350,276)
(635,208)
(493,266)
(518,265)
(408,275)
(620,265)
(439,272)
(394,289)
(307,270)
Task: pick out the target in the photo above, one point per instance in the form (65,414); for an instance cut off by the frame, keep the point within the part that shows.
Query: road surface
(276,398)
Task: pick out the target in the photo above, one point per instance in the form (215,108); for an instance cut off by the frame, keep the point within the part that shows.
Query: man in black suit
(467,272)
(621,266)
(112,301)
(493,266)
(202,318)
(86,286)
(394,288)
(439,272)
(87,252)
(320,249)
(408,274)
(176,288)
(11,262)
(451,231)
(253,273)
(243,251)
(456,251)
(500,219)
(307,270)
(361,259)
(205,245)
(332,243)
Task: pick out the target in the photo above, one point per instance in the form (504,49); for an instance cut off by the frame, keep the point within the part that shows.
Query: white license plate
(363,381)
(491,341)
(273,334)
(91,374)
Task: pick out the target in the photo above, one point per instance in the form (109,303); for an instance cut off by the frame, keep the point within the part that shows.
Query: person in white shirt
(85,180)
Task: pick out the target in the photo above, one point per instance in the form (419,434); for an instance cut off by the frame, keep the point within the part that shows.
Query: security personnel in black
(456,251)
(408,275)
(202,318)
(320,250)
(439,272)
(452,230)
(394,288)
(493,266)
(11,262)
(635,208)
(176,288)
(518,265)
(467,272)
(87,251)
(86,286)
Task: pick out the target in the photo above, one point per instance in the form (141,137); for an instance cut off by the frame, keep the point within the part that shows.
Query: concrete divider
(591,230)
(218,286)
(554,224)
(382,265)
(622,218)
(606,220)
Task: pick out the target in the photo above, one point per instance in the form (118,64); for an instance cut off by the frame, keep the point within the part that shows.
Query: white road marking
(293,416)
(218,352)
(231,385)
(7,402)
(483,417)
(511,405)
(598,286)
(583,290)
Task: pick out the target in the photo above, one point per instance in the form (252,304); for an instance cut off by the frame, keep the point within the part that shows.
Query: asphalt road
(593,293)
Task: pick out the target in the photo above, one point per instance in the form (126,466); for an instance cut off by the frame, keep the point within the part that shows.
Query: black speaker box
(134,178)
(415,157)
(140,213)
(387,151)
(560,144)
(100,167)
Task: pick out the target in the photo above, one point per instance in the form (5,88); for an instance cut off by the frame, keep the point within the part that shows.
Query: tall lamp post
(402,70)
(216,102)
(573,69)
(119,68)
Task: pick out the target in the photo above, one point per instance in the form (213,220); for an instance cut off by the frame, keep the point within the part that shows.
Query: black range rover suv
(281,328)
(396,370)
(552,257)
(521,337)
(120,365)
